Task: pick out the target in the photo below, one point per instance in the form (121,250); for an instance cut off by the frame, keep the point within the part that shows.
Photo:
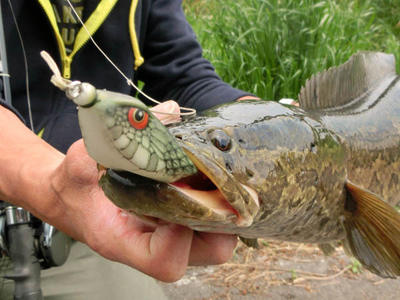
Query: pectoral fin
(328,248)
(373,231)
(253,243)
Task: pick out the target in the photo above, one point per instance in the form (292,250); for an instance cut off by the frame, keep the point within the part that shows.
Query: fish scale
(322,173)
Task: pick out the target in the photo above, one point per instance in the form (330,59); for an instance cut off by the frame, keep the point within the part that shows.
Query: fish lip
(127,191)
(242,198)
(170,202)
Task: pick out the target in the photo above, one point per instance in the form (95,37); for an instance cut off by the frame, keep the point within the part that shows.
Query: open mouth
(215,188)
(201,189)
(211,197)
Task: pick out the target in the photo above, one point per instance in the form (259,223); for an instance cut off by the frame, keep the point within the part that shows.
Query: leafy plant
(356,267)
(270,47)
(294,274)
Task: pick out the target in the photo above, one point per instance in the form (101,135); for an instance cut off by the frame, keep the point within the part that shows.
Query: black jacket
(173,68)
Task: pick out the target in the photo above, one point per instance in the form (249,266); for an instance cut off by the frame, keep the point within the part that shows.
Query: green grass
(270,47)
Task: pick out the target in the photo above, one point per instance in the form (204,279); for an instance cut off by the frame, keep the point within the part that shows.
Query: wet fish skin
(296,166)
(370,129)
(318,171)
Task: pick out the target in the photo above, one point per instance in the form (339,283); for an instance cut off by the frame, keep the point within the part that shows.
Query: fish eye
(138,118)
(220,139)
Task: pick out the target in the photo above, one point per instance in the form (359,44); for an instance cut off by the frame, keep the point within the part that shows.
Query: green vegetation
(355,266)
(270,47)
(294,274)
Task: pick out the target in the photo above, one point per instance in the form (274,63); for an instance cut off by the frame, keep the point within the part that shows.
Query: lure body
(120,132)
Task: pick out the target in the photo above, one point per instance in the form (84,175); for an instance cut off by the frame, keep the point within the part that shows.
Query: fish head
(238,150)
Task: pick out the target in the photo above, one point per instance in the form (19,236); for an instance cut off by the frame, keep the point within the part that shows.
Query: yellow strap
(139,60)
(93,23)
(97,18)
(52,18)
(40,134)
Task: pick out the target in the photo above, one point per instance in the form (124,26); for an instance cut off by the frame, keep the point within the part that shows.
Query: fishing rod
(3,65)
(31,244)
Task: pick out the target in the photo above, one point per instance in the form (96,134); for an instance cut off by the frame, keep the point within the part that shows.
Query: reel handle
(26,265)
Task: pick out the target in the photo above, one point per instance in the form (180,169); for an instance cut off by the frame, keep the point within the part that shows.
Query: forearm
(26,164)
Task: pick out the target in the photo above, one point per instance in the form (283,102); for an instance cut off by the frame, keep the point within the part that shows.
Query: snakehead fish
(324,172)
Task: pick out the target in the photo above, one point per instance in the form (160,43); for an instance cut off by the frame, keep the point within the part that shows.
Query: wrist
(29,179)
(26,163)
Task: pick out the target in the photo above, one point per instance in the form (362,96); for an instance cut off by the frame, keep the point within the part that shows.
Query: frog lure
(121,133)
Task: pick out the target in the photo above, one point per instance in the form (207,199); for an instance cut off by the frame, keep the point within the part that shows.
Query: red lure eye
(138,118)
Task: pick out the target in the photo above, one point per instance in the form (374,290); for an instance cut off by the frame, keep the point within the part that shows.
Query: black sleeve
(174,66)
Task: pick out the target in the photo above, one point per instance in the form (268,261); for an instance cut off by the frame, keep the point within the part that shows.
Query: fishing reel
(32,246)
(51,245)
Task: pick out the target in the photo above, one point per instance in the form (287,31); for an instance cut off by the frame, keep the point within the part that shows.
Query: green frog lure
(120,132)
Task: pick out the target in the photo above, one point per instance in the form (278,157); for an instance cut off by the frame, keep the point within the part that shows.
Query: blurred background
(270,47)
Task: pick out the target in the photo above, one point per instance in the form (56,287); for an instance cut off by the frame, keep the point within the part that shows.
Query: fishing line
(191,111)
(28,97)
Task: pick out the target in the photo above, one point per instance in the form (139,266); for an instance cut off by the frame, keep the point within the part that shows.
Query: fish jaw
(224,203)
(241,198)
(153,200)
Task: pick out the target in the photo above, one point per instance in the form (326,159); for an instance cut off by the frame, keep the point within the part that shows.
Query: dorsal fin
(337,86)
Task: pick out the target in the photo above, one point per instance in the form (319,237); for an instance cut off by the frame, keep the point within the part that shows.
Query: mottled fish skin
(296,166)
(270,142)
(370,129)
(318,173)
(297,160)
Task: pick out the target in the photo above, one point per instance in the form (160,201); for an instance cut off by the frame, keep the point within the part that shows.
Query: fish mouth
(216,188)
(207,200)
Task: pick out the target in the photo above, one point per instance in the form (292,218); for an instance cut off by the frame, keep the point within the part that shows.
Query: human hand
(169,106)
(289,101)
(162,251)
(286,101)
